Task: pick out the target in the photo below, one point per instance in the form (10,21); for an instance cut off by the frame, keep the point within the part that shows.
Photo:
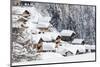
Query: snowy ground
(56,58)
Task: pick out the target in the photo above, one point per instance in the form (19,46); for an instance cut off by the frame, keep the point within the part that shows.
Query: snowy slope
(55,59)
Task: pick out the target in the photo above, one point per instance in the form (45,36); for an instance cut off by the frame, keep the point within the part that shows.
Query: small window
(39,32)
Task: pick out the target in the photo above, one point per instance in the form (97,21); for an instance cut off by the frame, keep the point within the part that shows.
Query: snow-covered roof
(34,19)
(17,25)
(66,32)
(32,10)
(18,10)
(78,41)
(54,35)
(88,46)
(49,36)
(46,37)
(70,47)
(31,25)
(36,38)
(15,18)
(74,48)
(43,25)
(35,30)
(93,46)
(44,19)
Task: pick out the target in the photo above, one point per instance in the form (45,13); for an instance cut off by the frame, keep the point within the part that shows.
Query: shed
(78,41)
(67,35)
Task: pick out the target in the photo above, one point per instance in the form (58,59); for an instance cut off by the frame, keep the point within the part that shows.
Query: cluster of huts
(33,31)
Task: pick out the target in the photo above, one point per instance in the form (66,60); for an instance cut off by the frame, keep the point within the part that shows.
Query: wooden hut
(67,35)
(43,27)
(37,43)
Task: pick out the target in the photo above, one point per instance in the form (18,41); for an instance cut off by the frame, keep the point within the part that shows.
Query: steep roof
(54,35)
(49,36)
(36,38)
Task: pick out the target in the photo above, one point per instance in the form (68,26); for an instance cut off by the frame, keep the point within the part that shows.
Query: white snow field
(50,57)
